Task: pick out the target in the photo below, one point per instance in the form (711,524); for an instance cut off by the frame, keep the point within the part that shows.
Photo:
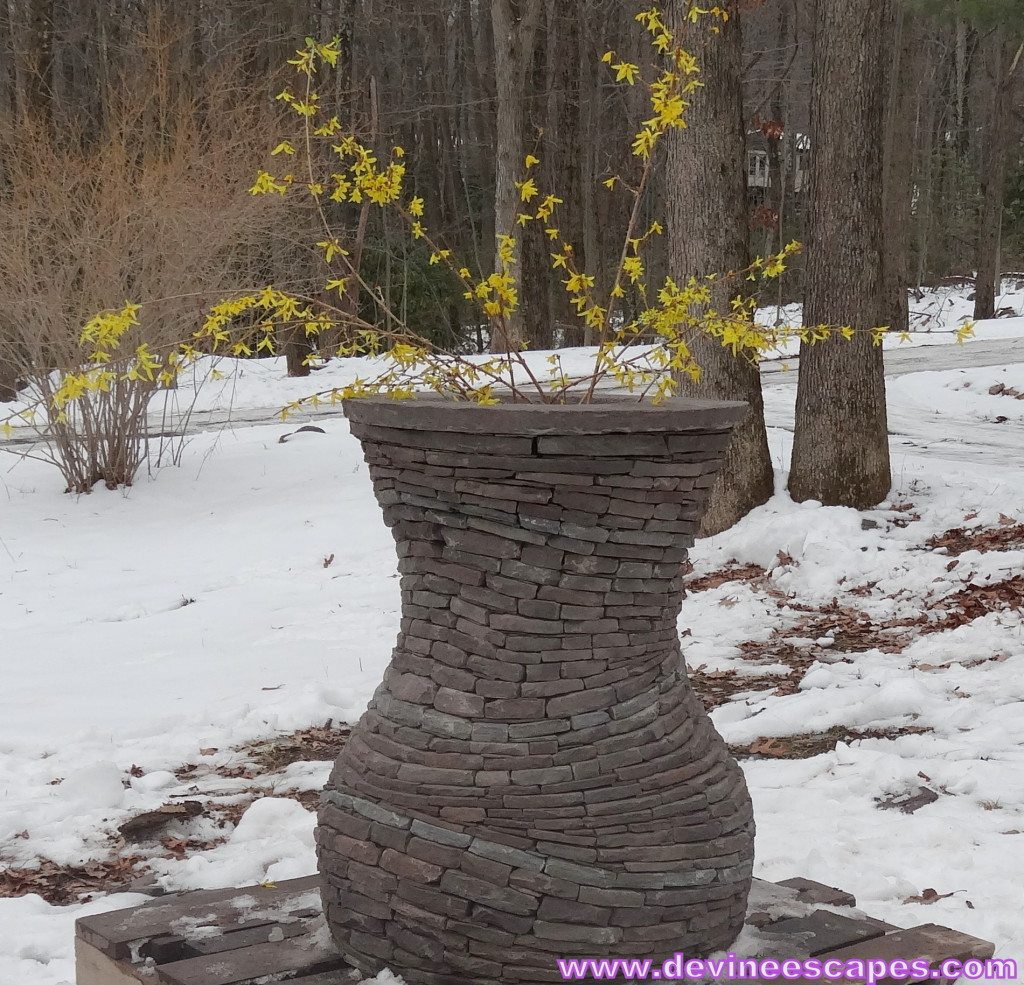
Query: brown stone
(409,867)
(460,703)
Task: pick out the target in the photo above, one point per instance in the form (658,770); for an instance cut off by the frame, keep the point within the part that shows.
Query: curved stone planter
(535,777)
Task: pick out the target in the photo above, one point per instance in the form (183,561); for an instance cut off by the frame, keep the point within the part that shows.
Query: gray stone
(580,874)
(443,836)
(514,709)
(543,775)
(459,703)
(581,702)
(577,932)
(503,898)
(409,687)
(522,624)
(438,723)
(611,897)
(506,855)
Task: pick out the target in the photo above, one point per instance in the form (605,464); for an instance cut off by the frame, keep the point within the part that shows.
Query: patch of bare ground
(832,626)
(321,743)
(752,574)
(905,514)
(717,687)
(975,601)
(63,884)
(838,631)
(1002,390)
(318,743)
(959,540)
(264,759)
(809,744)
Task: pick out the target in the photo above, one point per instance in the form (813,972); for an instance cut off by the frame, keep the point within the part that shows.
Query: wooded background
(436,75)
(908,113)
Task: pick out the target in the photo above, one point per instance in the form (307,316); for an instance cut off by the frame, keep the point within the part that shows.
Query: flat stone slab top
(606,415)
(259,934)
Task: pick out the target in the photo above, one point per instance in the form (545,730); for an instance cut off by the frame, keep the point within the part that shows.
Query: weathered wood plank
(929,941)
(823,930)
(116,931)
(175,947)
(267,933)
(341,977)
(250,935)
(299,955)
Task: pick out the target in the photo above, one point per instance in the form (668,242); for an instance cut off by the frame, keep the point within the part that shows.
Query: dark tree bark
(898,162)
(537,325)
(706,201)
(841,445)
(40,54)
(590,219)
(8,374)
(562,147)
(7,80)
(515,33)
(297,348)
(993,176)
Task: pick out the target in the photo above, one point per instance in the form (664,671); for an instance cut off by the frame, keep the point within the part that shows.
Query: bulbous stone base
(535,777)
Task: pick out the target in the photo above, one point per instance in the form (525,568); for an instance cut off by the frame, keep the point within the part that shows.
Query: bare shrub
(154,208)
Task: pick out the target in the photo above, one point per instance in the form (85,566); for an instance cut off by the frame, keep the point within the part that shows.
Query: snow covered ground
(253,591)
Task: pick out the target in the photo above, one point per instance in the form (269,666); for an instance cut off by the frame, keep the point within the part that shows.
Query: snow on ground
(253,591)
(937,312)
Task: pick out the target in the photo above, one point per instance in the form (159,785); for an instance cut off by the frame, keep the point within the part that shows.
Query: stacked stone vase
(535,777)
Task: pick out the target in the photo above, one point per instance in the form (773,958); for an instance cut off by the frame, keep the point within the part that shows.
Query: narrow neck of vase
(544,543)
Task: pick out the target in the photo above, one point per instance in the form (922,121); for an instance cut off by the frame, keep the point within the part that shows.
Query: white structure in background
(758,171)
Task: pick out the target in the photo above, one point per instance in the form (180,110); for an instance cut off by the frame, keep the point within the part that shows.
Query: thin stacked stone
(535,777)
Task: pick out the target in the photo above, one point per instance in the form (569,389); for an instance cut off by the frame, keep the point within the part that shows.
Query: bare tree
(515,34)
(1001,66)
(706,202)
(841,445)
(898,159)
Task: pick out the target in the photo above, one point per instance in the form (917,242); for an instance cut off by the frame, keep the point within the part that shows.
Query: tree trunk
(898,164)
(296,350)
(590,113)
(40,54)
(514,39)
(707,230)
(930,147)
(8,372)
(537,325)
(562,152)
(7,88)
(841,445)
(993,180)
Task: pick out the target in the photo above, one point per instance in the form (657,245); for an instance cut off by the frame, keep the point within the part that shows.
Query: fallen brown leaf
(928,896)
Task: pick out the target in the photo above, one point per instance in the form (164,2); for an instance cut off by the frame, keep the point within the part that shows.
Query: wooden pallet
(240,936)
(218,937)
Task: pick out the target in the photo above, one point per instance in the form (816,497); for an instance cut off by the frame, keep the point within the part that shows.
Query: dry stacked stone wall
(535,777)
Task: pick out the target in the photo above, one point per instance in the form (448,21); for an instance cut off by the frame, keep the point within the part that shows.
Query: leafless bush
(155,208)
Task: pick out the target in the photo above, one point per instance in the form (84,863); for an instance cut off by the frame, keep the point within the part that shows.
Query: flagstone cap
(605,415)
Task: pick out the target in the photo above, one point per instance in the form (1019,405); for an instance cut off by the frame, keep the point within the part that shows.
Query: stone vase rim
(607,414)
